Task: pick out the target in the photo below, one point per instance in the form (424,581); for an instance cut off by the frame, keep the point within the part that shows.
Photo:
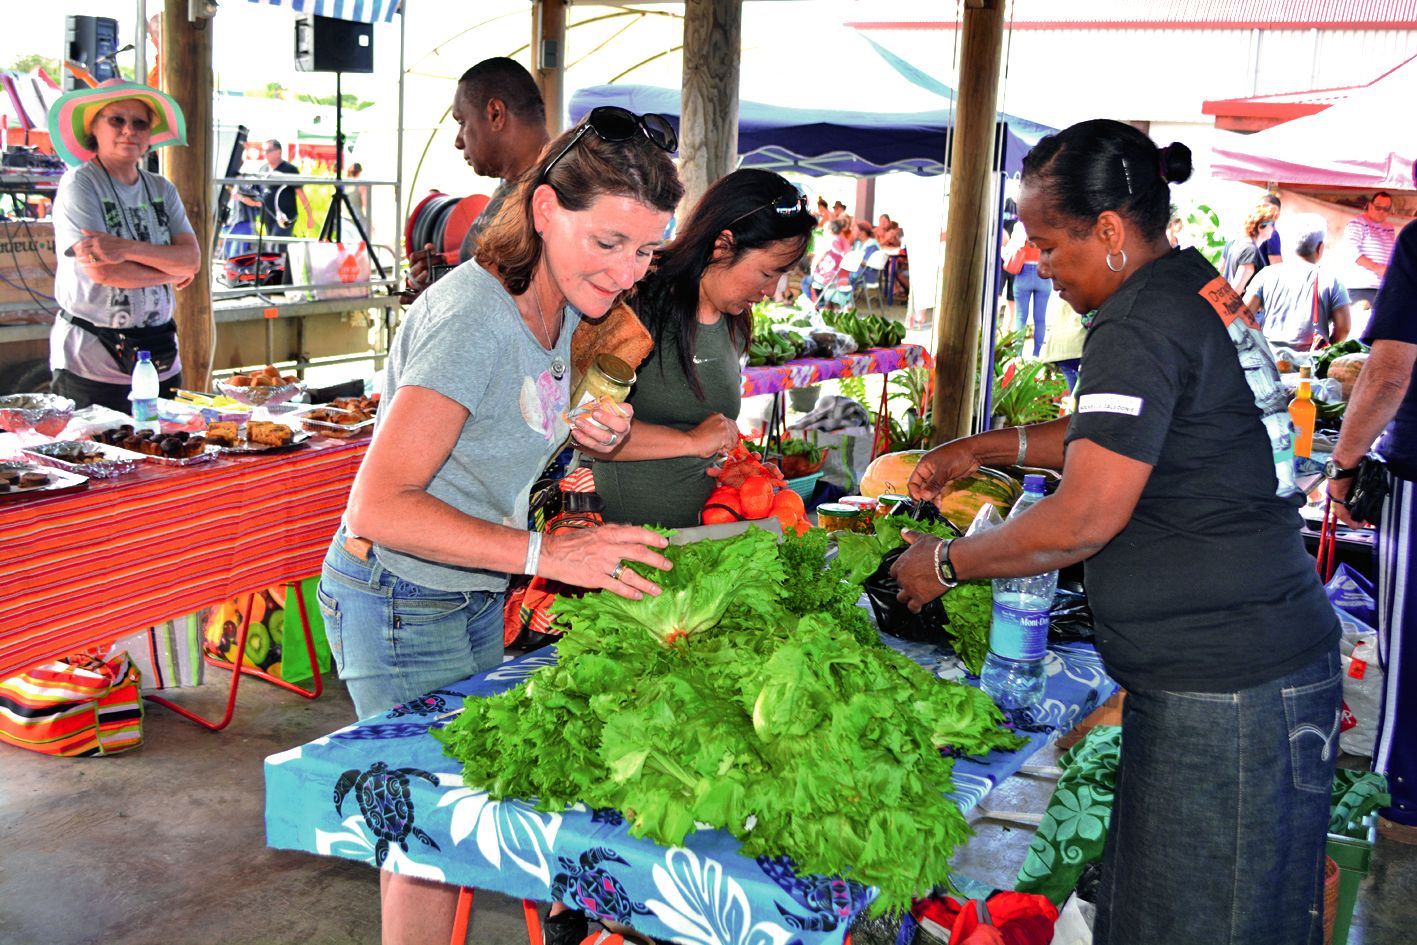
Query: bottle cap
(1033,482)
(144,356)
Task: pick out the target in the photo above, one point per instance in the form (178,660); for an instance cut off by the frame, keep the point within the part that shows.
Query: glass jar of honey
(607,378)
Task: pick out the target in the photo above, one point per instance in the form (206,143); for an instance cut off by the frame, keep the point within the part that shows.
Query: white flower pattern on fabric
(356,842)
(509,828)
(543,403)
(704,906)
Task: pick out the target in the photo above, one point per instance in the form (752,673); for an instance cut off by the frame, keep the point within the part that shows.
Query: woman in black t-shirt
(1178,493)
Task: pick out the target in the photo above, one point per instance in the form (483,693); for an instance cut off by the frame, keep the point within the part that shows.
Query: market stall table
(381,791)
(804,372)
(86,568)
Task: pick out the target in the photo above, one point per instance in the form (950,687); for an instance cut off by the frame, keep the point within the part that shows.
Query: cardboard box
(27,257)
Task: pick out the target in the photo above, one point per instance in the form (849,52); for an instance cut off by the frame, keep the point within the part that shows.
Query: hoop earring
(1123,254)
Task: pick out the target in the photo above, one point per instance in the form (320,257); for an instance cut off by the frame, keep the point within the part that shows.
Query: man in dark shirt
(501,130)
(277,201)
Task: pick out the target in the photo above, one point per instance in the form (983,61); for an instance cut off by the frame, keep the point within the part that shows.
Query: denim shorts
(393,640)
(1221,814)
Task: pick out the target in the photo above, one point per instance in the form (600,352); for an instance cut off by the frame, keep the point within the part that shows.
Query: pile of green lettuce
(722,703)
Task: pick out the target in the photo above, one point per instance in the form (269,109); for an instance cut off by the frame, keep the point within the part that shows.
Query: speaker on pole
(92,42)
(327,44)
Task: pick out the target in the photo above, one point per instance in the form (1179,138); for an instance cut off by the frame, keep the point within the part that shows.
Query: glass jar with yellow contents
(835,517)
(607,381)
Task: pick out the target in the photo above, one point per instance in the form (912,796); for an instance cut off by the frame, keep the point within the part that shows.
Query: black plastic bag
(881,589)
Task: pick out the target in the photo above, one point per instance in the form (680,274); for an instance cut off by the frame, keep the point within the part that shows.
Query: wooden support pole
(187,77)
(968,239)
(708,126)
(548,58)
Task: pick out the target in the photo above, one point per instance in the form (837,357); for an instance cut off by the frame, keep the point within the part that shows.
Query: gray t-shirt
(465,339)
(148,211)
(1286,294)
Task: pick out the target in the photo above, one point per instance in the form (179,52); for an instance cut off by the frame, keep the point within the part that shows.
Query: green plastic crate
(1353,857)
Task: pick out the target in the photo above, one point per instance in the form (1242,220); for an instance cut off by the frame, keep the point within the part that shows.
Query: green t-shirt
(670,492)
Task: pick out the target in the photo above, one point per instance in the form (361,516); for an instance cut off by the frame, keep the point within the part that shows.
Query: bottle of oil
(1301,414)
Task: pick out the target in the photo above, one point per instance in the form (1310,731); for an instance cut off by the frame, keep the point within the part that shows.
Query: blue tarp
(817,141)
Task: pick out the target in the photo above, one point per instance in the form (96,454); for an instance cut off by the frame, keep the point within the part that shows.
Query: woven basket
(1331,876)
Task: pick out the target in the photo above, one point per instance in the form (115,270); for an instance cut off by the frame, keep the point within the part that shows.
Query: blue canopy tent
(819,141)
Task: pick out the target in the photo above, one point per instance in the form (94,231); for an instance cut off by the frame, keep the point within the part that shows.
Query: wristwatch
(944,571)
(1334,471)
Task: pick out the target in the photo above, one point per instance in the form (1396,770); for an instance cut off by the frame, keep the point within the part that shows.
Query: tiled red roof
(1193,14)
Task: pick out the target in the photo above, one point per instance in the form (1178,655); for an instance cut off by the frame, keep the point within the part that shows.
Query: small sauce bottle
(1302,414)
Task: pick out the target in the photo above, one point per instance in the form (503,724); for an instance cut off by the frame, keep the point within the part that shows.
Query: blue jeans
(393,640)
(1031,296)
(1221,814)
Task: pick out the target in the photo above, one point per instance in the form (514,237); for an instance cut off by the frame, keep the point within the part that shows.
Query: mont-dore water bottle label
(1018,634)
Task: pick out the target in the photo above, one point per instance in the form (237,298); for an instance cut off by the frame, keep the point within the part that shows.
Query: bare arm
(129,275)
(1342,323)
(1371,265)
(1094,502)
(390,505)
(949,461)
(1379,392)
(309,214)
(1242,275)
(653,441)
(179,260)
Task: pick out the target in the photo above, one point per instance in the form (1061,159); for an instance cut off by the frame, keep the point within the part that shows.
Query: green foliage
(1203,228)
(796,734)
(31,61)
(1028,392)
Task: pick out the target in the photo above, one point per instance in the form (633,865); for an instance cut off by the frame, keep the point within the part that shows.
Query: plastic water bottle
(1018,636)
(143,395)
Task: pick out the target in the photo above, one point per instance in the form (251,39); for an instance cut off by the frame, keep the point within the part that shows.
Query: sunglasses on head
(118,122)
(613,123)
(784,206)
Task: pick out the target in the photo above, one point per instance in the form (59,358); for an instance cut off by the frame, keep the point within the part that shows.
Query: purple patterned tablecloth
(808,371)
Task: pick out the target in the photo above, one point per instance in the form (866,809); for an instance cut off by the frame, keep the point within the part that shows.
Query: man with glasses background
(277,201)
(1371,238)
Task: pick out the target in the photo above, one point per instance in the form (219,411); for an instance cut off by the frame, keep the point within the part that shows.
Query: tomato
(757,496)
(789,500)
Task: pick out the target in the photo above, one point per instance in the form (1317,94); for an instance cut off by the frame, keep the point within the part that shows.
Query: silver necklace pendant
(558,367)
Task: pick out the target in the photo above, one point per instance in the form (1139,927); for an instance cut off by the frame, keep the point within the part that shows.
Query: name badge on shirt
(1110,403)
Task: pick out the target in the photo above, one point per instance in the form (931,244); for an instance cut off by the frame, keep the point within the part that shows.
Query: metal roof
(1192,14)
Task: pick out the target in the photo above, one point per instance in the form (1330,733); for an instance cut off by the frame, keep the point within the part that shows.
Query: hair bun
(1175,161)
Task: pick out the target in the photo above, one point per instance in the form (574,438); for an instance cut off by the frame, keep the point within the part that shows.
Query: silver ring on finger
(615,574)
(613,439)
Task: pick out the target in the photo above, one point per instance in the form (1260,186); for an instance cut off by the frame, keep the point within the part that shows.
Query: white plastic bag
(1362,687)
(326,263)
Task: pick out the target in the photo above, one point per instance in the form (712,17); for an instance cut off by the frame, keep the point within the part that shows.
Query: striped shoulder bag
(81,705)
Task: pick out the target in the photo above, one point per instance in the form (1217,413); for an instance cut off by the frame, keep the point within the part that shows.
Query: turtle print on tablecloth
(430,704)
(585,885)
(831,899)
(385,802)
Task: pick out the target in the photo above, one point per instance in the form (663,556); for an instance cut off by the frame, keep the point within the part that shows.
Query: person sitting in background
(1300,304)
(823,286)
(124,244)
(1371,239)
(1242,258)
(889,235)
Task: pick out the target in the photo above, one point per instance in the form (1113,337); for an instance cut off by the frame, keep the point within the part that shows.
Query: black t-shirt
(280,198)
(1393,320)
(1208,588)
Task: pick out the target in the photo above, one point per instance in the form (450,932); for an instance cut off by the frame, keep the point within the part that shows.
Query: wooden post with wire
(708,124)
(967,248)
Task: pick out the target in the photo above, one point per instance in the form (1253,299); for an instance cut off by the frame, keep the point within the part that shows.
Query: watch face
(1334,471)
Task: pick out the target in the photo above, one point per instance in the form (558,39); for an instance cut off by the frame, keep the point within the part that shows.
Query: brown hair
(1263,212)
(510,248)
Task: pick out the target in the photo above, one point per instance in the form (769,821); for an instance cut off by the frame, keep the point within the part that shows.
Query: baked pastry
(223,433)
(31,479)
(268,434)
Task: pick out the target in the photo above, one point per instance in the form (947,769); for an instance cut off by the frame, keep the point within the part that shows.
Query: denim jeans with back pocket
(1221,814)
(392,640)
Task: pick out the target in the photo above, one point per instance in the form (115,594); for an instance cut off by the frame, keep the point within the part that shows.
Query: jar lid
(615,369)
(838,510)
(857,502)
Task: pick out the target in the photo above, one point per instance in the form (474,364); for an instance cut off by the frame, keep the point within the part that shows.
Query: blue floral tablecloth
(381,791)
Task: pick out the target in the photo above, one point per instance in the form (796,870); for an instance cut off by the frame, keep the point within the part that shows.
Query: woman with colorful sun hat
(123,242)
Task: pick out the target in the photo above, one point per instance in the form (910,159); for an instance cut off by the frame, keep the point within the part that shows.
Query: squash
(1346,370)
(962,499)
(889,473)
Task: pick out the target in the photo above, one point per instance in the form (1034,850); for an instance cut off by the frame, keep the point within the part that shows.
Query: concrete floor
(166,844)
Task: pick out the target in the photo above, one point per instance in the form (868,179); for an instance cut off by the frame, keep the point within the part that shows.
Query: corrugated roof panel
(1196,14)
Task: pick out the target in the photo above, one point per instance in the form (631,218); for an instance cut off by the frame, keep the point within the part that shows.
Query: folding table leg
(235,681)
(462,918)
(309,650)
(532,910)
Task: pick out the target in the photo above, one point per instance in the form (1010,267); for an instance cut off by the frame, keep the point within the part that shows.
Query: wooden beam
(187,77)
(968,236)
(548,58)
(708,127)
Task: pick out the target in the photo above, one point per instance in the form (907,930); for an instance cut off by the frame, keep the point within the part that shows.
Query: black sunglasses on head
(613,123)
(784,206)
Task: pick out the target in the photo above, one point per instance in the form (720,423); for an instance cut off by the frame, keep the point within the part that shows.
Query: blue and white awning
(364,11)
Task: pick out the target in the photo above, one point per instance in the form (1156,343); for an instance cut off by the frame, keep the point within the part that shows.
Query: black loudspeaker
(327,44)
(90,41)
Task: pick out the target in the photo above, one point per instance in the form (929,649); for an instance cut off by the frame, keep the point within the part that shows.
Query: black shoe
(565,928)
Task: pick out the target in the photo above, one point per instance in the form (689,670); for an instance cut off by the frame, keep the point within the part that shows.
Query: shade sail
(816,141)
(364,11)
(1366,141)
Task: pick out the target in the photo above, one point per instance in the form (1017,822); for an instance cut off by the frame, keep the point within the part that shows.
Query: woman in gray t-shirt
(746,231)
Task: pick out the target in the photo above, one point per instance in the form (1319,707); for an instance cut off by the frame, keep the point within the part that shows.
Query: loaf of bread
(268,434)
(223,433)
